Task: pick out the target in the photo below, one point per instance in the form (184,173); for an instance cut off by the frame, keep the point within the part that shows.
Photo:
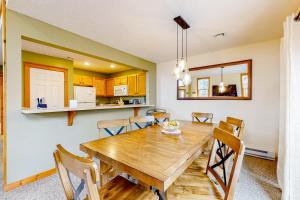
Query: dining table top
(151,156)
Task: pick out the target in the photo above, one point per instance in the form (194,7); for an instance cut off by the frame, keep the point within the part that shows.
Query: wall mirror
(227,81)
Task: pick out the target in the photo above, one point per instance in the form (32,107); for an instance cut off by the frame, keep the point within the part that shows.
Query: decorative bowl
(171,126)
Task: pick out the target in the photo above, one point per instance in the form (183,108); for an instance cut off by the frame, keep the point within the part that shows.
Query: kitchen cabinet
(132,85)
(100,85)
(83,80)
(121,80)
(137,85)
(110,83)
(141,84)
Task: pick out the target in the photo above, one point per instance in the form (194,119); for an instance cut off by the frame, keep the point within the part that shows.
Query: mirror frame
(248,62)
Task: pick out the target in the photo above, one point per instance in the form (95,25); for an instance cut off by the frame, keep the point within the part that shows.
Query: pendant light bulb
(221,87)
(187,78)
(177,72)
(182,64)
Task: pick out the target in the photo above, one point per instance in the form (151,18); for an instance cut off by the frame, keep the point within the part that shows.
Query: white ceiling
(146,28)
(95,65)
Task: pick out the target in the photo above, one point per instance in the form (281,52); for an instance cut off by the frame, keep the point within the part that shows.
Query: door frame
(26,87)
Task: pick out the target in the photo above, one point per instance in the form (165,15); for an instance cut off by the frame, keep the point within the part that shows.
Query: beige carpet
(257,182)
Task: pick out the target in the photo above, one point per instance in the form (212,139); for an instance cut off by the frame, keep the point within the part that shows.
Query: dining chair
(141,121)
(195,182)
(202,117)
(86,170)
(226,127)
(239,126)
(160,117)
(113,127)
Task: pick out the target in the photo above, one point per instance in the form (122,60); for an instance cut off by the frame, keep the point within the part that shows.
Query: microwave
(121,90)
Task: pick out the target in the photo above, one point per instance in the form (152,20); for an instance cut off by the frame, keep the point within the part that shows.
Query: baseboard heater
(260,153)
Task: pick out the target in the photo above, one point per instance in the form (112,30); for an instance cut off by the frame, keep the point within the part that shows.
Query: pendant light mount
(181,22)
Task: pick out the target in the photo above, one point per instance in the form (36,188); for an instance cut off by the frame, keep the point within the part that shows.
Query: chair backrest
(141,121)
(83,168)
(226,126)
(239,125)
(107,125)
(160,117)
(202,117)
(225,146)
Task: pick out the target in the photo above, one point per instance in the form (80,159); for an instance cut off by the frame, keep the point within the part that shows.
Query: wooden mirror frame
(248,62)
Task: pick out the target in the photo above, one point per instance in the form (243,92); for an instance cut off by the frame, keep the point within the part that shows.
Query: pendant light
(221,85)
(181,70)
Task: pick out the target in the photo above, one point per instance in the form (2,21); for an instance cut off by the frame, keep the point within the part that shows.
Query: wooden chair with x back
(119,126)
(86,170)
(160,117)
(202,117)
(194,183)
(239,126)
(141,122)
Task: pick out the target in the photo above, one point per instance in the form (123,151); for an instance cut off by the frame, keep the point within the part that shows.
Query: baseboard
(30,179)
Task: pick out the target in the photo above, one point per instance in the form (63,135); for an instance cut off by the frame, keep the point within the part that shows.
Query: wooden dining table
(150,156)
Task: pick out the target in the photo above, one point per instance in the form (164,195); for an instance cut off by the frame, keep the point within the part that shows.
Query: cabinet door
(132,85)
(100,85)
(141,84)
(123,80)
(77,79)
(87,80)
(110,83)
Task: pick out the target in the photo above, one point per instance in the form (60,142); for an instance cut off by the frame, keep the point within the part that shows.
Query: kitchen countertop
(67,109)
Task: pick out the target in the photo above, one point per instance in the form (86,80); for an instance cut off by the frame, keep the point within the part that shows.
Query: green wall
(31,138)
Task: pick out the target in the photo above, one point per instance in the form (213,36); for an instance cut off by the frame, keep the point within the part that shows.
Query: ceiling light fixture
(112,66)
(181,70)
(86,63)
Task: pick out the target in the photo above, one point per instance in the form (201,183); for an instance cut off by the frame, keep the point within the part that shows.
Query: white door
(47,84)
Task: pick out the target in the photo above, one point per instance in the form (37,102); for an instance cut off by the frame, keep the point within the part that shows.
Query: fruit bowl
(171,126)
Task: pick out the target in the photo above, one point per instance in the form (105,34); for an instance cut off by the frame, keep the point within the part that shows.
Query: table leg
(103,173)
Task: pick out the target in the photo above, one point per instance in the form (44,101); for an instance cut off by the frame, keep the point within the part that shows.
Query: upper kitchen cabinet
(100,85)
(132,85)
(121,80)
(141,83)
(137,84)
(110,83)
(83,80)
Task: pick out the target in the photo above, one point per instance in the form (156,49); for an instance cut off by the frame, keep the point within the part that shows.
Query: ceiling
(79,60)
(146,28)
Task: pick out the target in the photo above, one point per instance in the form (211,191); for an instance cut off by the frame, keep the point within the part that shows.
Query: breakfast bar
(72,111)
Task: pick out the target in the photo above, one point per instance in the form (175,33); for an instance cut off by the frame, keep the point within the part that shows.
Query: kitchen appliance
(85,96)
(135,101)
(120,90)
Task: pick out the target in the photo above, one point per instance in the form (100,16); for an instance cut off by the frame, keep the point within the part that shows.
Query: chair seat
(120,188)
(194,184)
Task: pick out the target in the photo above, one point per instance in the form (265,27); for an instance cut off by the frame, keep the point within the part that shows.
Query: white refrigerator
(85,96)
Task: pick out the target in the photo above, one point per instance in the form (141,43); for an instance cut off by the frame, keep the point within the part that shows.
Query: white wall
(261,114)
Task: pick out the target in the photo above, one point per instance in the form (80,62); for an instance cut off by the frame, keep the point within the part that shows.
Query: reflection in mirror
(222,81)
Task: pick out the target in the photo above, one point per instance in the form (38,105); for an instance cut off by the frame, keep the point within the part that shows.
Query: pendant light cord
(181,43)
(186,59)
(222,74)
(177,44)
